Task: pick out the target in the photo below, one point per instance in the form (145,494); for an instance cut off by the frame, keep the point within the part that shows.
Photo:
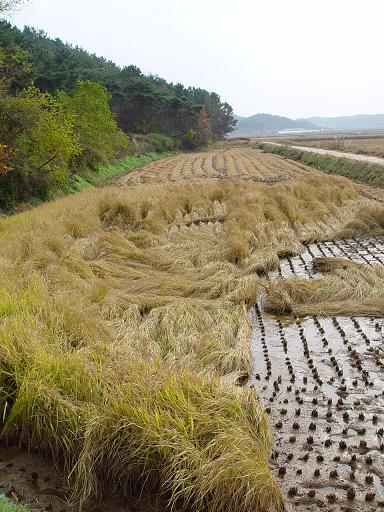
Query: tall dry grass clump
(124,325)
(368,220)
(347,288)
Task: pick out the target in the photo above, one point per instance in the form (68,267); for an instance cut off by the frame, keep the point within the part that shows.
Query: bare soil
(34,481)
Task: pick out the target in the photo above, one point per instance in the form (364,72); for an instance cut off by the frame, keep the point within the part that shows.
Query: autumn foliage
(5,157)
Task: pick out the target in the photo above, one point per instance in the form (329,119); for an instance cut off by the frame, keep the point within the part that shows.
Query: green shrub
(162,142)
(94,125)
(40,134)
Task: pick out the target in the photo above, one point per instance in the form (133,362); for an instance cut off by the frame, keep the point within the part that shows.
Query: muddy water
(321,381)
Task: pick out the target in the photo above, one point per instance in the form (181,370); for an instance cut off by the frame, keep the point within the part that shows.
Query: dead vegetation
(368,220)
(124,326)
(347,288)
(326,264)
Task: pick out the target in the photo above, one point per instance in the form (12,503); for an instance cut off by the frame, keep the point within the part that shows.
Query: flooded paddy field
(321,382)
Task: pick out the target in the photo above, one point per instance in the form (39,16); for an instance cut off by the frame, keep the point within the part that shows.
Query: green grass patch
(7,506)
(364,172)
(92,178)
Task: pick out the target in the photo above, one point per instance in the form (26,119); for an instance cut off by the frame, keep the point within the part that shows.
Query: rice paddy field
(159,334)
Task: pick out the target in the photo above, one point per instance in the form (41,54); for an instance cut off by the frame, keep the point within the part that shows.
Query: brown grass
(348,288)
(368,220)
(328,264)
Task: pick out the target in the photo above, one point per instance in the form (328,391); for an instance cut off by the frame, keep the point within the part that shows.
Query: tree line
(142,104)
(63,109)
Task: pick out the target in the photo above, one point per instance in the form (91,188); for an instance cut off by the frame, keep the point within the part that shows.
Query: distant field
(360,146)
(369,143)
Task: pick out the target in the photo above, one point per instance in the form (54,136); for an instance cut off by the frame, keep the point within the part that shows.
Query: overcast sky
(289,57)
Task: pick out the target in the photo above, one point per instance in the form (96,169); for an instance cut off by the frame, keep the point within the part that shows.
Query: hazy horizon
(307,117)
(296,60)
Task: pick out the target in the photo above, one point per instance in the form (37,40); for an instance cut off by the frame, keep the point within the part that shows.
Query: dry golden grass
(124,325)
(368,220)
(348,288)
(330,264)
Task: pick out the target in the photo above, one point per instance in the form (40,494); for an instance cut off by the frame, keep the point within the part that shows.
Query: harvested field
(125,323)
(364,169)
(321,379)
(236,163)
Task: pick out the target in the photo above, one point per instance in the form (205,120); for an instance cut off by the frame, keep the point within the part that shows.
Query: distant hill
(268,124)
(358,122)
(263,124)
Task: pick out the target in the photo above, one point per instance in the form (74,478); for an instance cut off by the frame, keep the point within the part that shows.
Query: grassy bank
(104,173)
(360,171)
(93,178)
(124,328)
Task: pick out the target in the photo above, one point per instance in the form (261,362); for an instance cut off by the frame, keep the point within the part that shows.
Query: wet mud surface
(321,382)
(34,481)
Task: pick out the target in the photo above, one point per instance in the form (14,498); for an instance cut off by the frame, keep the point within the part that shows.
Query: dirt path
(339,154)
(321,381)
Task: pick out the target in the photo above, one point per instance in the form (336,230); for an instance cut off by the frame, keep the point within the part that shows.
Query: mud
(321,382)
(34,481)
